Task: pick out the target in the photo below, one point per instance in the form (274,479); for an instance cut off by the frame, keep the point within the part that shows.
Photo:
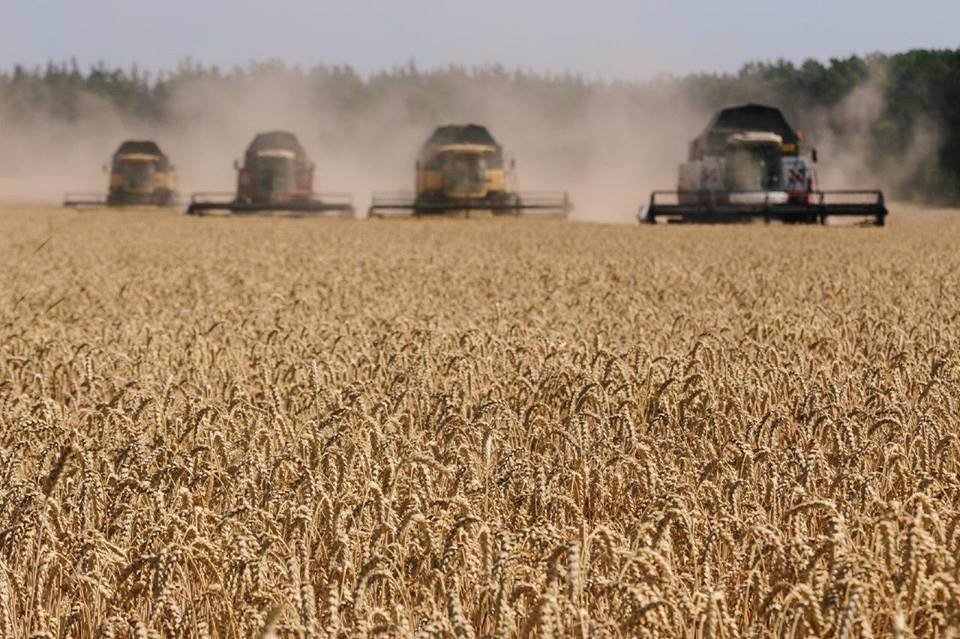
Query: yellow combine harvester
(140,175)
(461,168)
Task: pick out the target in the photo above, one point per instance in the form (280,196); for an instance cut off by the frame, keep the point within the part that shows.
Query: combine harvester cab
(140,175)
(462,169)
(748,165)
(276,177)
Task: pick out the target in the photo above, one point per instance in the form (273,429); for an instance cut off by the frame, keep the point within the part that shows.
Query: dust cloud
(844,138)
(608,144)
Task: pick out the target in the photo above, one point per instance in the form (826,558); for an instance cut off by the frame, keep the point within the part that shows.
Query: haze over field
(609,145)
(608,152)
(607,142)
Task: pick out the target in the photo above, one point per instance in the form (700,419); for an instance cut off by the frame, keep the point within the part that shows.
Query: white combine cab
(751,171)
(747,165)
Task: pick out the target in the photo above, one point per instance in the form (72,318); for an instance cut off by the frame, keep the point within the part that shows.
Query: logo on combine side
(712,179)
(797,178)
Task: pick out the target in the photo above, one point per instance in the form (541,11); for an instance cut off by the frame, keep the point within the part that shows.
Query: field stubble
(242,428)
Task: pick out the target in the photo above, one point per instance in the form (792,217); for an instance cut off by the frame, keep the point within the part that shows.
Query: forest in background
(897,116)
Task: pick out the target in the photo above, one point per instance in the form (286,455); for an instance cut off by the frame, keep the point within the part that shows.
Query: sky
(611,39)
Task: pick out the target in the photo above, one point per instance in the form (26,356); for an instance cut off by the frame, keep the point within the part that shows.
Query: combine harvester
(140,175)
(276,177)
(463,169)
(748,165)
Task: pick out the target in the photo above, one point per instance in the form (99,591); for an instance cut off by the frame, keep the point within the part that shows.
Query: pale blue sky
(609,38)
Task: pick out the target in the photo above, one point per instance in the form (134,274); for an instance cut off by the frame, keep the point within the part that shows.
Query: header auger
(140,175)
(461,168)
(747,165)
(276,177)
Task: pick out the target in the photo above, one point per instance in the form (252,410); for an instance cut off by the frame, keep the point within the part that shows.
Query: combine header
(140,175)
(276,176)
(463,169)
(748,165)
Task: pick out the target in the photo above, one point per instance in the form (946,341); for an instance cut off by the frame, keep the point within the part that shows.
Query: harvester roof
(461,134)
(139,147)
(276,141)
(749,117)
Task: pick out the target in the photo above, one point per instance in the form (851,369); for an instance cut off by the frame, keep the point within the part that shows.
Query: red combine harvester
(748,164)
(276,176)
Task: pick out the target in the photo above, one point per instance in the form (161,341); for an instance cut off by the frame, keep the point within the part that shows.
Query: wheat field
(477,428)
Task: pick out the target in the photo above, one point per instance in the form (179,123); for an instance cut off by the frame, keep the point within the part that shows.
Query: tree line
(888,106)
